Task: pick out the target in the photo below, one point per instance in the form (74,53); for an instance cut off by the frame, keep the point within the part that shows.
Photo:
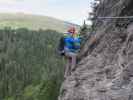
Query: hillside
(33,22)
(105,71)
(30,68)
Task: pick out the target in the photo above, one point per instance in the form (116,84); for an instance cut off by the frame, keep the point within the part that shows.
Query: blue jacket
(72,44)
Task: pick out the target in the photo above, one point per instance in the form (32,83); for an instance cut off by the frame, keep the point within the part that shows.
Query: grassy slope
(33,22)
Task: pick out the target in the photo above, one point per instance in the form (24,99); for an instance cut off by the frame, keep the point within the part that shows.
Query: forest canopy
(30,68)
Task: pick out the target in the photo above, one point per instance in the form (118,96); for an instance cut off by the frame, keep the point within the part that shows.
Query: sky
(75,11)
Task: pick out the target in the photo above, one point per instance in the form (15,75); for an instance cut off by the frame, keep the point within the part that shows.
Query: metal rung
(120,17)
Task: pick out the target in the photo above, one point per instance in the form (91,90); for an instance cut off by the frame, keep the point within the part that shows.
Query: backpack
(61,46)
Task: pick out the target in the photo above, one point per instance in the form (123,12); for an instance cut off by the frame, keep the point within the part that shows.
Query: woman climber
(69,46)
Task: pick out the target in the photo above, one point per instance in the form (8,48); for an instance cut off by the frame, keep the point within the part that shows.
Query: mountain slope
(30,69)
(106,70)
(33,22)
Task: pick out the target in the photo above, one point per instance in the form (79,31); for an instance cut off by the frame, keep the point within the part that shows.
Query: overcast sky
(69,10)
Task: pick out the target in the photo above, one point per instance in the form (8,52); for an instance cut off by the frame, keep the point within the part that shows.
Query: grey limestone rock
(106,72)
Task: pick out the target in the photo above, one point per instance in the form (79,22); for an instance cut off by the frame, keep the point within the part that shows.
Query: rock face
(105,72)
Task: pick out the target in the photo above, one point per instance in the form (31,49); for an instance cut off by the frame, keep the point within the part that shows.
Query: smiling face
(72,30)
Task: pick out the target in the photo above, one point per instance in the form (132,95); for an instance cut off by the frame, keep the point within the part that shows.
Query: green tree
(27,61)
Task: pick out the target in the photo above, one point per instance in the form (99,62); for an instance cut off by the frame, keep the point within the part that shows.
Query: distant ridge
(34,22)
